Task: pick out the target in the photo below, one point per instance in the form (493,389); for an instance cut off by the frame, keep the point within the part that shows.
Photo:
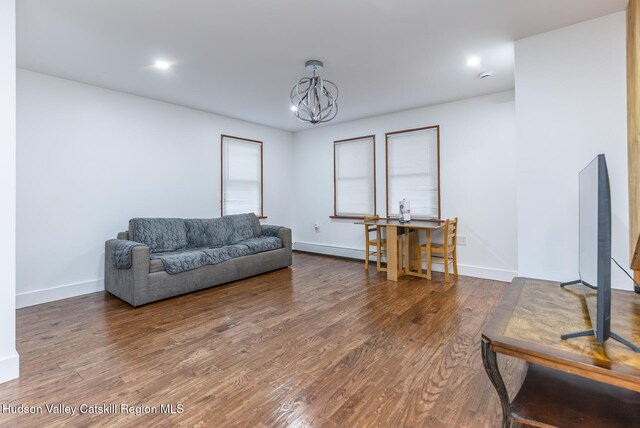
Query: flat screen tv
(595,244)
(595,250)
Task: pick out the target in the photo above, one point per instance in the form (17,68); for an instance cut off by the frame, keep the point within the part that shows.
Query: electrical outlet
(461,240)
(316,227)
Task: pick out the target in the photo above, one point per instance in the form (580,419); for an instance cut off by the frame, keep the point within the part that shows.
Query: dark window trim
(222,137)
(386,161)
(355,216)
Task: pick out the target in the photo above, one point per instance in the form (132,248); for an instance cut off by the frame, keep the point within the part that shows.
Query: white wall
(477,140)
(90,158)
(570,106)
(8,356)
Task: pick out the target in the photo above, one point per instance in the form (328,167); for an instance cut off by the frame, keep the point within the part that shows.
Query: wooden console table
(576,382)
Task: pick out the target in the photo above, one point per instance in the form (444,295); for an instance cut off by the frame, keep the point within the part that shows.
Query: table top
(534,313)
(414,224)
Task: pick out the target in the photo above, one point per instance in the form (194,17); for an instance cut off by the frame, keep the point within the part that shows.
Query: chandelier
(312,98)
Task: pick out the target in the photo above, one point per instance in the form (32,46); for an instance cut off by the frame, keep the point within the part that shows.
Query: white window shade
(241,176)
(354,177)
(412,172)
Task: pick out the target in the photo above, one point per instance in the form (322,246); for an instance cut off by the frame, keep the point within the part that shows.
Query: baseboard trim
(354,253)
(9,367)
(46,295)
(349,253)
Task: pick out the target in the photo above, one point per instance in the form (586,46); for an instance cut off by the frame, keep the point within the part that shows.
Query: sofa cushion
(227,252)
(156,265)
(257,227)
(207,232)
(242,227)
(262,243)
(188,259)
(182,261)
(160,234)
(237,250)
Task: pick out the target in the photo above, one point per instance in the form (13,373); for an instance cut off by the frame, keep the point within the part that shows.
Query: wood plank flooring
(320,344)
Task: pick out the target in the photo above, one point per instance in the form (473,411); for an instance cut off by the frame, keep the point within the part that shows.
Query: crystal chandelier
(313,99)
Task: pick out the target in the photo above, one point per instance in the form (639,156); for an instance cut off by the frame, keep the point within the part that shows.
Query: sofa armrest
(271,230)
(284,233)
(122,252)
(131,285)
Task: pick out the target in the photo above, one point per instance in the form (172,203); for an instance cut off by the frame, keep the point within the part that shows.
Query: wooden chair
(379,243)
(445,253)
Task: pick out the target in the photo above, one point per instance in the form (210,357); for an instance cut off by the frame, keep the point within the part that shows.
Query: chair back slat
(451,231)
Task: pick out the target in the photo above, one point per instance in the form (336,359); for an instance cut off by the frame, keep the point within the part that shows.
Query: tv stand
(591,332)
(566,383)
(578,281)
(612,335)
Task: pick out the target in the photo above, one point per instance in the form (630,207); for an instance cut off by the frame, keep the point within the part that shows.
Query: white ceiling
(240,58)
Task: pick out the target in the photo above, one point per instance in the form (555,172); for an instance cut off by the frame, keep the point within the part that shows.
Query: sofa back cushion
(160,234)
(208,232)
(257,227)
(243,227)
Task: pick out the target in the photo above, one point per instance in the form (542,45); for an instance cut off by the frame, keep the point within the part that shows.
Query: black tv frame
(601,329)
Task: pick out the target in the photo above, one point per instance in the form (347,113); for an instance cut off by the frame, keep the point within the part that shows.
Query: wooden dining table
(410,231)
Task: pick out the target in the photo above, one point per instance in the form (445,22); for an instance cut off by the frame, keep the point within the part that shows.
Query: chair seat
(383,243)
(437,248)
(440,258)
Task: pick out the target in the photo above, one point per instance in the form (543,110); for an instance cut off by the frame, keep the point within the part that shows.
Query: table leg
(404,257)
(490,361)
(392,253)
(428,253)
(412,251)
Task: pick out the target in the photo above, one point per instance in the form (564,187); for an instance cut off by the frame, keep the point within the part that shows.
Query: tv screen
(595,244)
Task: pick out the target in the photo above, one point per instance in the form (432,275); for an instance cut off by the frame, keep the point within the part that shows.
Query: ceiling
(240,58)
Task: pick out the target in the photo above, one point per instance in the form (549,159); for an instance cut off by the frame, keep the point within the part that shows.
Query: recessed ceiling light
(473,61)
(162,65)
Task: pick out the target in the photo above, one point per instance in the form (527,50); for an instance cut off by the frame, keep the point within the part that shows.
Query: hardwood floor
(320,344)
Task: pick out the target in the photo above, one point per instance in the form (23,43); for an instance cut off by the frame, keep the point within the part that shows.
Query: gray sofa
(157,258)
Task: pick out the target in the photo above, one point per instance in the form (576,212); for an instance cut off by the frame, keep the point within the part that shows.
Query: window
(354,172)
(413,171)
(241,176)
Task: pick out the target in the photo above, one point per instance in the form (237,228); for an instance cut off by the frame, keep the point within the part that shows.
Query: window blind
(241,176)
(412,172)
(354,177)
